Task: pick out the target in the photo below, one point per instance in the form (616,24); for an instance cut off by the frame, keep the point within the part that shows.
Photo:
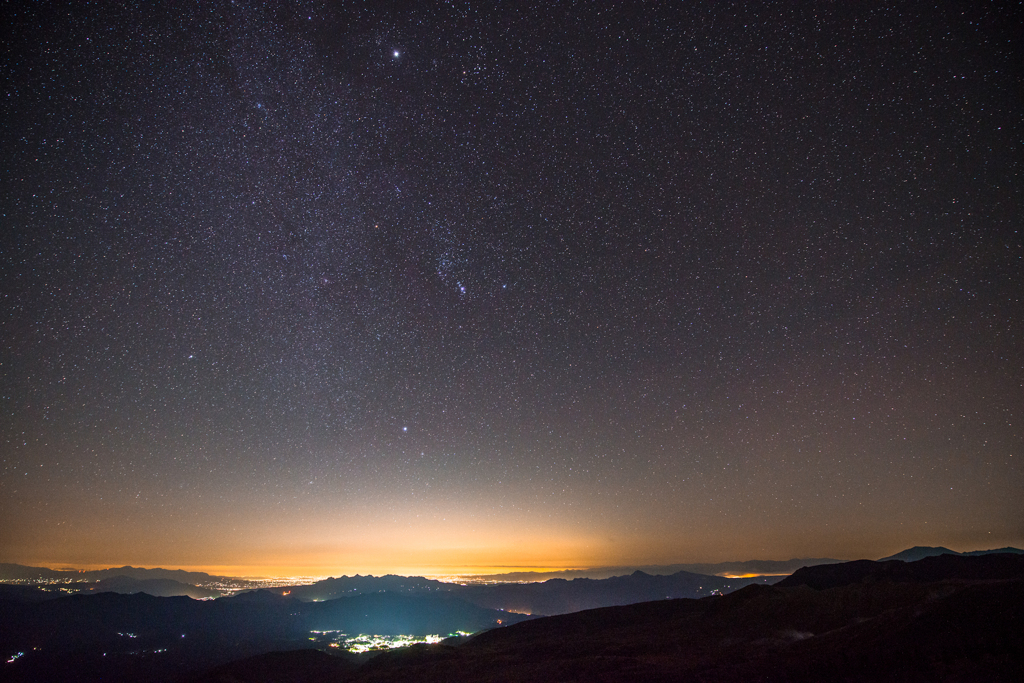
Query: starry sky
(329,287)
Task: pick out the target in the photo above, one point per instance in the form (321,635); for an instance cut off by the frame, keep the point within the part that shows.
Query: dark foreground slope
(996,567)
(296,666)
(911,625)
(112,637)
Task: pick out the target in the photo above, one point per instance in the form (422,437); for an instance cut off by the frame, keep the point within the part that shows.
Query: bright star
(396,53)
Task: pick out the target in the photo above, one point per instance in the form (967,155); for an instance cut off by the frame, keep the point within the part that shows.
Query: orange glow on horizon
(750,576)
(333,545)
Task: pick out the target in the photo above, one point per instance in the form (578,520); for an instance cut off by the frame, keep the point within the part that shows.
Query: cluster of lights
(234,586)
(365,642)
(460,579)
(40,581)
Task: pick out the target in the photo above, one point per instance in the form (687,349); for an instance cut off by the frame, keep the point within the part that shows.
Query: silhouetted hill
(919,552)
(161,588)
(739,568)
(758,567)
(964,626)
(995,551)
(347,586)
(745,568)
(20,572)
(394,614)
(18,593)
(555,596)
(274,667)
(894,632)
(944,618)
(140,637)
(141,573)
(930,569)
(558,596)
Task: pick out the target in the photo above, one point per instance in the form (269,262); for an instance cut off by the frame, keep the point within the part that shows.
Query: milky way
(332,286)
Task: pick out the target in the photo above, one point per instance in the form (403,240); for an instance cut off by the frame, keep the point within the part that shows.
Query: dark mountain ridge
(559,596)
(331,588)
(554,596)
(18,593)
(989,567)
(919,552)
(20,572)
(952,619)
(161,588)
(67,638)
(337,587)
(945,618)
(737,568)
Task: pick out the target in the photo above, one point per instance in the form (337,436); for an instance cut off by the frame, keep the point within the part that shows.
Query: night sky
(338,287)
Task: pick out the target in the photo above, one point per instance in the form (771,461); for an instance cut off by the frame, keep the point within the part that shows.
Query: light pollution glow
(449,547)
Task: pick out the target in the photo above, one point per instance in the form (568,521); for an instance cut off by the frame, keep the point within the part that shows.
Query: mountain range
(161,588)
(145,638)
(741,568)
(919,552)
(948,619)
(554,596)
(20,572)
(943,618)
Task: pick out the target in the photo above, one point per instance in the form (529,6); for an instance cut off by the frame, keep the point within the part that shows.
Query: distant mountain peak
(919,552)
